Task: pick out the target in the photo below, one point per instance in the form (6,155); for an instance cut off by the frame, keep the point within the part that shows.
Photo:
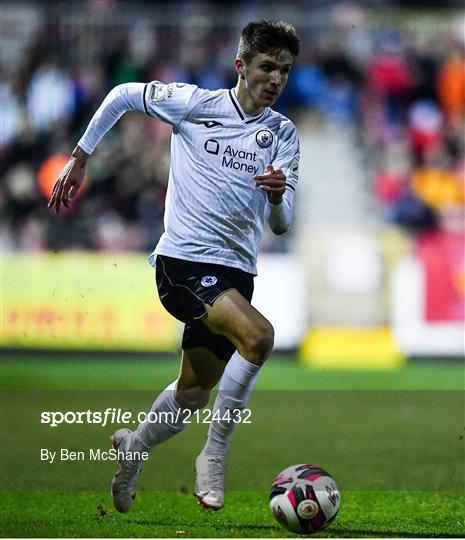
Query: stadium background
(370,278)
(378,97)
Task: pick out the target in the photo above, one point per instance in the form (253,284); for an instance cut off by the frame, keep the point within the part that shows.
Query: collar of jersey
(240,111)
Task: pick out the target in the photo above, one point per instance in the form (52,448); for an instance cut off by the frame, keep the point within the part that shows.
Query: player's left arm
(280,180)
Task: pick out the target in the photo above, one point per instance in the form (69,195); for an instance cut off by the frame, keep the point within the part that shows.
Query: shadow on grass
(169,523)
(345,533)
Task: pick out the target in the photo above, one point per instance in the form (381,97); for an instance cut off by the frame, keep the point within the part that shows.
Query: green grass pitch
(394,441)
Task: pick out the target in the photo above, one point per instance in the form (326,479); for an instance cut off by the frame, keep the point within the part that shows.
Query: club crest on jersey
(264,138)
(208,281)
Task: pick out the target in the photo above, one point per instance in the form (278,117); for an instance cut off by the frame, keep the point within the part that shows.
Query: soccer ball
(304,498)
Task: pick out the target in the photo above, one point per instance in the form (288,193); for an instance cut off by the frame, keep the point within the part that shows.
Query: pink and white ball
(304,499)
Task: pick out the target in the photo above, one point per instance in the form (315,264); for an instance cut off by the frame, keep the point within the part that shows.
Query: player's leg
(200,371)
(230,321)
(172,278)
(245,329)
(232,316)
(252,337)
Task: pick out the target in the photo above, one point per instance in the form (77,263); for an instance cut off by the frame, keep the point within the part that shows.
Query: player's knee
(260,344)
(193,398)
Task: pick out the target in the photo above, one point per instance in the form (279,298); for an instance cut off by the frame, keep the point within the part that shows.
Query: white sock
(234,392)
(169,423)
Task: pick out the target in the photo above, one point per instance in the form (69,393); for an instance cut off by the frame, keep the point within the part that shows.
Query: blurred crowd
(404,92)
(415,128)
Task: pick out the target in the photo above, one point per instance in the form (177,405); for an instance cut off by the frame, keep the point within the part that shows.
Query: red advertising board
(442,256)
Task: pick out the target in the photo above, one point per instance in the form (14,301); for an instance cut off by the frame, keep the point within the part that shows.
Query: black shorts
(185,287)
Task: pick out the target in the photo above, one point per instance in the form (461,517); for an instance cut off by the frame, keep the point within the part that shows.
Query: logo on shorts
(208,281)
(264,138)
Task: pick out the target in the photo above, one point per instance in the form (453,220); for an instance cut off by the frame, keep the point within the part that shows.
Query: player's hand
(273,182)
(69,181)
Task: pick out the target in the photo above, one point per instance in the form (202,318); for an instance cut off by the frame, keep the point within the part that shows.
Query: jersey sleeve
(288,154)
(169,102)
(122,98)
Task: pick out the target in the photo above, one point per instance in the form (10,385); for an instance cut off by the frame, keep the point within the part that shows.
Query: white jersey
(214,211)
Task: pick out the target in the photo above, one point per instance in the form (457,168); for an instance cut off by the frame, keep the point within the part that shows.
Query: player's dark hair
(267,37)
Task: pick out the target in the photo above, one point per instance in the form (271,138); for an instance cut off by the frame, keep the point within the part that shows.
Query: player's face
(266,76)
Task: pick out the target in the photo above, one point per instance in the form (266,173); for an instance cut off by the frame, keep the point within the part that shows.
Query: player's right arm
(169,103)
(280,180)
(69,181)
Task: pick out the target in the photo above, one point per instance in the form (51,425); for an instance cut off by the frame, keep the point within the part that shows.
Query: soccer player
(234,167)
